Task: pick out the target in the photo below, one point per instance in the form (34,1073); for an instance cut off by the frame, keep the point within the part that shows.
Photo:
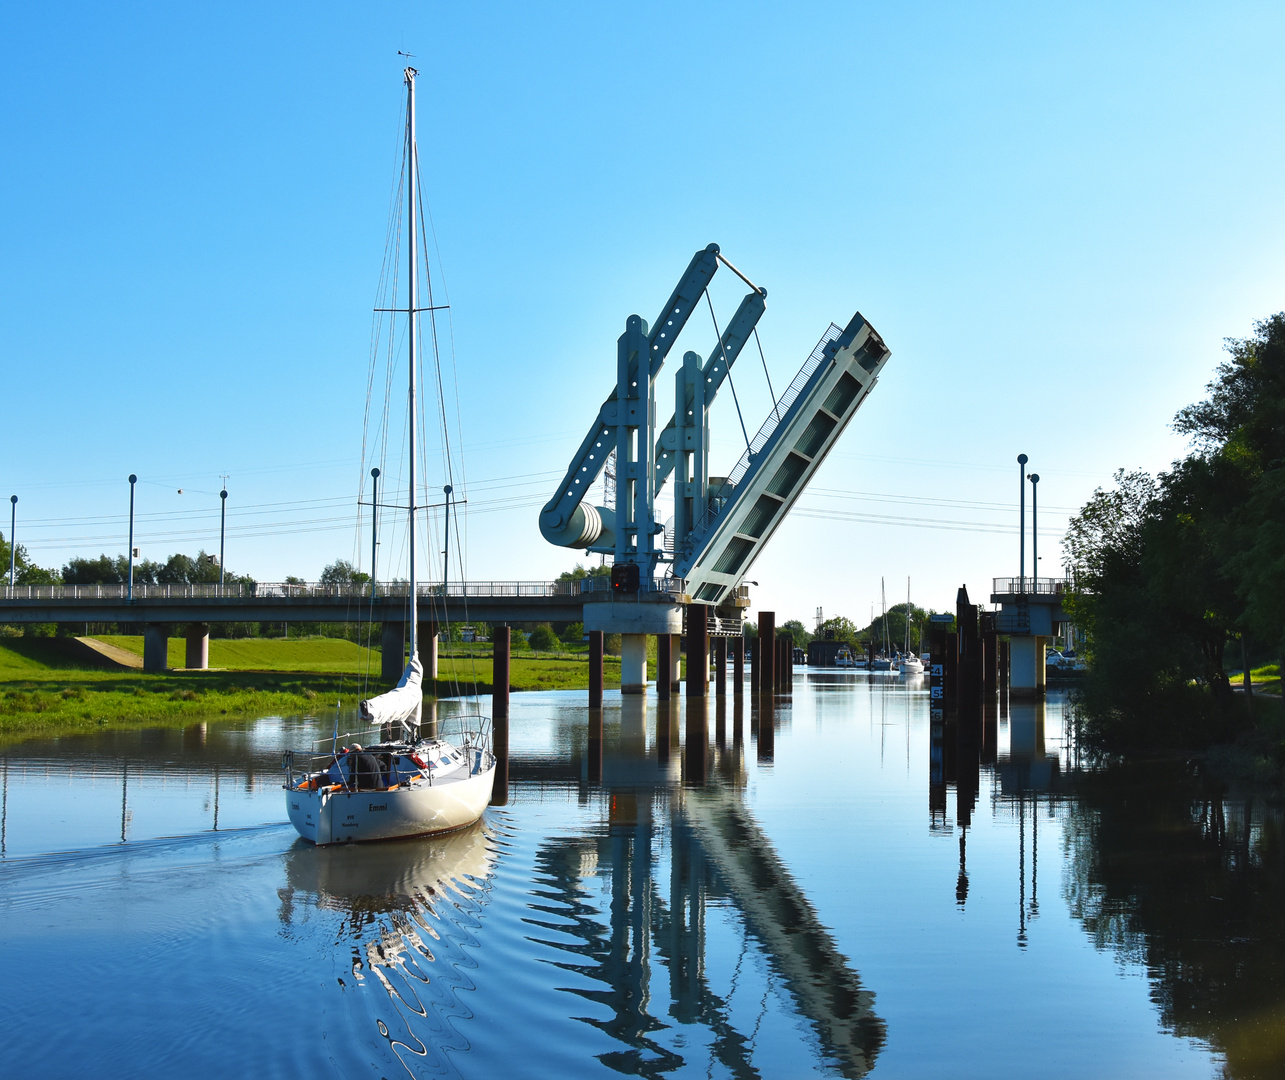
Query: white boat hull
(418,809)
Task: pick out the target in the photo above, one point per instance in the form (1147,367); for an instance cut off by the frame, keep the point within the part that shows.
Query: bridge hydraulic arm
(714,371)
(623,529)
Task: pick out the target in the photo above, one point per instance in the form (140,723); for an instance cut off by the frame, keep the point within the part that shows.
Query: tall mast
(412,304)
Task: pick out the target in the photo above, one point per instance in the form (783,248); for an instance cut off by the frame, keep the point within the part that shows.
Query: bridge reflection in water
(629,903)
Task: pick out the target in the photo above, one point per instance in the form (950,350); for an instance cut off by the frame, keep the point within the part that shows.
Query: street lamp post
(1035,536)
(13,544)
(1022,459)
(374,526)
(223,518)
(446,555)
(132,481)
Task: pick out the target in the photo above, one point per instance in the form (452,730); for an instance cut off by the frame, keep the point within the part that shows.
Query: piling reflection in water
(652,925)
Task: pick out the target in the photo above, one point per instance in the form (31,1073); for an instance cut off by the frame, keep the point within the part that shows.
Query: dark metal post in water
(595,745)
(766,727)
(595,669)
(500,714)
(697,650)
(720,666)
(696,748)
(767,652)
(755,667)
(664,662)
(738,664)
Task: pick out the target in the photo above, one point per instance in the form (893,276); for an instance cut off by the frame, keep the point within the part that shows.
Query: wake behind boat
(407,782)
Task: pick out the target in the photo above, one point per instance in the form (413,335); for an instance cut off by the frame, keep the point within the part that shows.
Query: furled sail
(401,704)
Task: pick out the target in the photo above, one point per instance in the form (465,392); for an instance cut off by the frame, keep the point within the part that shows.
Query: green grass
(333,655)
(46,687)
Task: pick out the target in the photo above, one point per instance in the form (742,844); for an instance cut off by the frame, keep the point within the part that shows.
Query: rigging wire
(727,368)
(775,403)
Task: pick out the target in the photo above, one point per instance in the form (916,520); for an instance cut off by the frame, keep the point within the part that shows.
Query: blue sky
(1053,215)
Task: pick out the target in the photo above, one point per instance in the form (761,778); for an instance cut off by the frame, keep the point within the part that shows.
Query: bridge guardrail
(295,591)
(1017,586)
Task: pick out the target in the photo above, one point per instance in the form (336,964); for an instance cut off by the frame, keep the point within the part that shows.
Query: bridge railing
(262,590)
(1031,586)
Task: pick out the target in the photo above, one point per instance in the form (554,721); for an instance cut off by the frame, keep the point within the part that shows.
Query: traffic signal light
(624,578)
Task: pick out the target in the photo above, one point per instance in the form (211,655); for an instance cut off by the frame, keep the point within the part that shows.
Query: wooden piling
(595,669)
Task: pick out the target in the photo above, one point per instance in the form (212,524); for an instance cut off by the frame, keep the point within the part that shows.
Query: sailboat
(406,783)
(883,662)
(910,663)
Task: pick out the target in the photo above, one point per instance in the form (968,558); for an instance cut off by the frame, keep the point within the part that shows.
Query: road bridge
(160,609)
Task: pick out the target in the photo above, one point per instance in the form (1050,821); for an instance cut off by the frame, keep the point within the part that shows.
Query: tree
(796,632)
(25,571)
(581,572)
(103,570)
(573,633)
(543,638)
(1167,570)
(342,572)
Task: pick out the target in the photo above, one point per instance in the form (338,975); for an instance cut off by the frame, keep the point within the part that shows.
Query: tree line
(1179,577)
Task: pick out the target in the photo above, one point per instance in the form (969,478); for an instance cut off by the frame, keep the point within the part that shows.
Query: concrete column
(738,664)
(156,647)
(1026,663)
(697,650)
(720,666)
(392,644)
(633,663)
(664,651)
(675,655)
(426,642)
(595,670)
(767,652)
(198,646)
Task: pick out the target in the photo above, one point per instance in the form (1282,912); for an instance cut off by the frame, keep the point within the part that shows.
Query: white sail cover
(401,704)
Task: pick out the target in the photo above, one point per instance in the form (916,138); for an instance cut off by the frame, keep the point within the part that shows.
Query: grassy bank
(53,686)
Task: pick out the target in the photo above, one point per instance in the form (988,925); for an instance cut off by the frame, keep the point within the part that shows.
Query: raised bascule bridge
(692,572)
(663,577)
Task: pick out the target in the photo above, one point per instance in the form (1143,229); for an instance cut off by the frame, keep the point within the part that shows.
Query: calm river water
(865,900)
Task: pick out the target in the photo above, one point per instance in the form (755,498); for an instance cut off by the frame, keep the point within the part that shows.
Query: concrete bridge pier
(1026,666)
(198,646)
(633,663)
(426,642)
(156,647)
(392,644)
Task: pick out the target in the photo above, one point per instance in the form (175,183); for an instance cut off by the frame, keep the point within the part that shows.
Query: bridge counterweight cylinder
(588,526)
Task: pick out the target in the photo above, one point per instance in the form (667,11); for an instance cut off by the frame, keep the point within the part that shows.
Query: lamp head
(1022,459)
